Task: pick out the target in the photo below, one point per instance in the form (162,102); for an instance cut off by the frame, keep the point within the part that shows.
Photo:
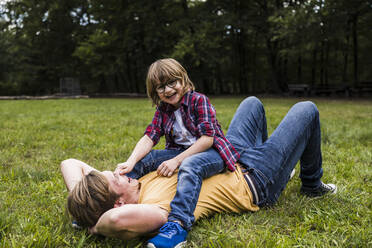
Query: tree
(43,43)
(235,46)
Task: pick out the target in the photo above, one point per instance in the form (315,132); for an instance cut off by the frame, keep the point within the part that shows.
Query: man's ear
(118,203)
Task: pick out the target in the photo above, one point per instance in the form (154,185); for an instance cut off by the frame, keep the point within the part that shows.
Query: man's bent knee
(310,108)
(252,100)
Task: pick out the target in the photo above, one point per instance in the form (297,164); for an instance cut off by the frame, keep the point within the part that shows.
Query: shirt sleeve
(154,131)
(206,116)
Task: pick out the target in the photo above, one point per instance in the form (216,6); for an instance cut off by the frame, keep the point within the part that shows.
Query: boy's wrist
(131,162)
(178,161)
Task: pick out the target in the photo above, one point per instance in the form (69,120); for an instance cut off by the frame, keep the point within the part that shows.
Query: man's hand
(124,168)
(168,167)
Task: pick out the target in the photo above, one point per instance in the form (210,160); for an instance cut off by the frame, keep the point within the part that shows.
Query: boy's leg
(296,138)
(151,162)
(248,126)
(191,173)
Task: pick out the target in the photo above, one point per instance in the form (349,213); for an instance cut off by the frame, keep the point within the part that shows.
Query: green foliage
(37,135)
(228,46)
(42,44)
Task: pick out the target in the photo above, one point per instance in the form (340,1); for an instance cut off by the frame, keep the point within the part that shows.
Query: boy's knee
(186,164)
(189,166)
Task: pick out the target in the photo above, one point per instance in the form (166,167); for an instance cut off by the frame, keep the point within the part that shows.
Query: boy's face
(171,92)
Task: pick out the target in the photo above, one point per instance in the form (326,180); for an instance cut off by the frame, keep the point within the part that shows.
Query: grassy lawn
(35,136)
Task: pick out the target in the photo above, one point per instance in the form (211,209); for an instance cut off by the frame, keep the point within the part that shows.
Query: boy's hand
(124,168)
(168,167)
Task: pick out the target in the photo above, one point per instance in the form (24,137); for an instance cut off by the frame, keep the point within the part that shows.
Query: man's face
(121,184)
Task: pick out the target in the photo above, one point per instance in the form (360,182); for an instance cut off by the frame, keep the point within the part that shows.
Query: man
(136,207)
(118,206)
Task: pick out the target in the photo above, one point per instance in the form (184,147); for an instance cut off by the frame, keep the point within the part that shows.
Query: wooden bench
(331,90)
(363,88)
(299,89)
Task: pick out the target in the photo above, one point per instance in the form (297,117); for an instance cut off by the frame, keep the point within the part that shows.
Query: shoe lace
(170,229)
(326,186)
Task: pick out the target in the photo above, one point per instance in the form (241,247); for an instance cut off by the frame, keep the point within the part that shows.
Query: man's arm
(73,170)
(130,221)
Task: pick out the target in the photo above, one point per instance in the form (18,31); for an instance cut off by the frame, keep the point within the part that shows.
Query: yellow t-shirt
(225,192)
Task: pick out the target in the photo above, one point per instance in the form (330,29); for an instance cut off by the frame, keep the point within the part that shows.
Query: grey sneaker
(321,190)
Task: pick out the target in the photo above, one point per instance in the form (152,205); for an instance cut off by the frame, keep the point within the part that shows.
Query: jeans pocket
(263,183)
(264,180)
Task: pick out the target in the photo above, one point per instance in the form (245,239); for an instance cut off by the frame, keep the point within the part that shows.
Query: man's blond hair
(162,71)
(90,198)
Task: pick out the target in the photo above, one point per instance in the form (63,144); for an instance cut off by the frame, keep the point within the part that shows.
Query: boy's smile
(172,95)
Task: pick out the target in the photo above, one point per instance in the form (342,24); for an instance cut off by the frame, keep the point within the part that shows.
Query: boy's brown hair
(162,71)
(90,198)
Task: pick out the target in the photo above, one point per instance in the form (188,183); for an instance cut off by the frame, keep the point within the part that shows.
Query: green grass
(35,136)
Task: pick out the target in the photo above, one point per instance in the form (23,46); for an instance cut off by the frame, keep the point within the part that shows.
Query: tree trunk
(299,69)
(326,62)
(272,59)
(285,69)
(346,57)
(254,64)
(243,88)
(219,85)
(346,53)
(129,73)
(322,63)
(355,48)
(313,68)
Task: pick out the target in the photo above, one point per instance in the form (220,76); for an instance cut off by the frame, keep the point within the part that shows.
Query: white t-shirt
(182,136)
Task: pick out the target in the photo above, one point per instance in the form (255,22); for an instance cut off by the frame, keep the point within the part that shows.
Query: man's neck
(133,195)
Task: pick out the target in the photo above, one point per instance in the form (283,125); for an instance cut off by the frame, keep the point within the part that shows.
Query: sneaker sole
(333,191)
(314,195)
(76,226)
(180,245)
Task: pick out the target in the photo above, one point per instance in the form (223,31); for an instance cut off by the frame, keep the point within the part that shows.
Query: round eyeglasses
(171,84)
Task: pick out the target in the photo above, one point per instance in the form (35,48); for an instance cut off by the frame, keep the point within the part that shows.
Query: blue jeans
(271,160)
(191,173)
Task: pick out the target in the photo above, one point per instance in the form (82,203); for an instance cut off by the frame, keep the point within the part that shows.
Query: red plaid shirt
(199,117)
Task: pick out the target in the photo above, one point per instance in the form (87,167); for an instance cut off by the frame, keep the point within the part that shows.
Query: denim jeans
(191,173)
(151,162)
(271,160)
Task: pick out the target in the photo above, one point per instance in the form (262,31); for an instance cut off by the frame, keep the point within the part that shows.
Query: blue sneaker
(171,234)
(75,225)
